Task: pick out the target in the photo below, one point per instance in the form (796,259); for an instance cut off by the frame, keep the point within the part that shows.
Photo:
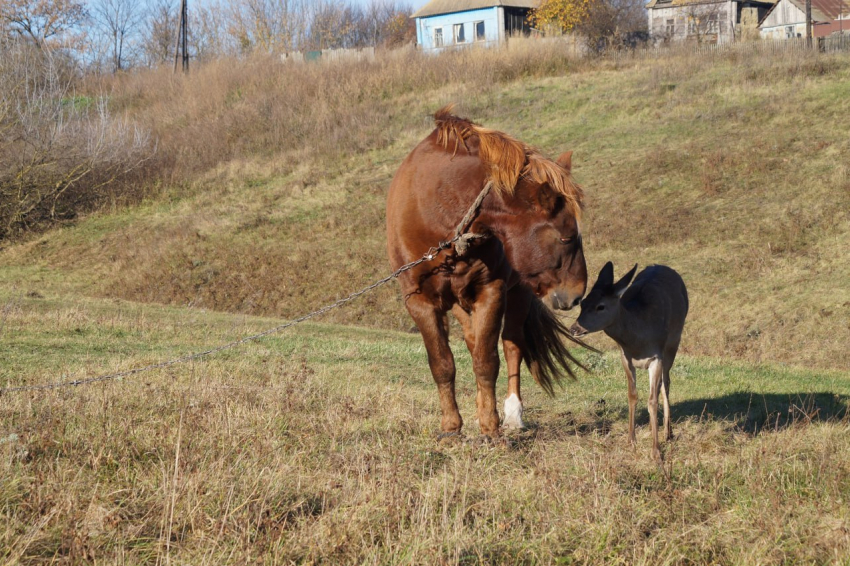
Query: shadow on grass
(596,421)
(754,413)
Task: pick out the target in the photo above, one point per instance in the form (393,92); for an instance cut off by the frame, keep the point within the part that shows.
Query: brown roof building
(787,19)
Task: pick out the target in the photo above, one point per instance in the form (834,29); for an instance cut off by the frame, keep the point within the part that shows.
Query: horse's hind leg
(433,325)
(513,342)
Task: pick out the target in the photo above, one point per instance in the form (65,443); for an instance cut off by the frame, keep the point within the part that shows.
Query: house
(705,21)
(787,19)
(442,24)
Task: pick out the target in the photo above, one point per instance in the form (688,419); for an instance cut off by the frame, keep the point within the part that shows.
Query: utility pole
(808,23)
(182,42)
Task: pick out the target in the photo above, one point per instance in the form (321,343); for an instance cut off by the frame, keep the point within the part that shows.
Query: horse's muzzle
(561,301)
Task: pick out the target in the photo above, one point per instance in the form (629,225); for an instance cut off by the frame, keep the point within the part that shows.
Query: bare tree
(44,22)
(612,22)
(268,25)
(387,23)
(334,25)
(208,34)
(160,32)
(705,21)
(119,22)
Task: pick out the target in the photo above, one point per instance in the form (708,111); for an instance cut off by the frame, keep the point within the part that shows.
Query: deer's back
(658,301)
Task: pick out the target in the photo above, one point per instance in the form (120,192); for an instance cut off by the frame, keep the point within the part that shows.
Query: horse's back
(427,196)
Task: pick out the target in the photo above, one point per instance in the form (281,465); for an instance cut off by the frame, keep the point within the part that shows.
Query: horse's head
(543,241)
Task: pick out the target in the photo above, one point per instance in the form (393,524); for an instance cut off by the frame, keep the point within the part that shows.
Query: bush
(60,153)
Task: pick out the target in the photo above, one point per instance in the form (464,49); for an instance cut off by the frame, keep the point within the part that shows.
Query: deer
(646,321)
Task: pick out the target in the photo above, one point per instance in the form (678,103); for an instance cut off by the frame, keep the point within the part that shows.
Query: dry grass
(318,446)
(728,168)
(259,108)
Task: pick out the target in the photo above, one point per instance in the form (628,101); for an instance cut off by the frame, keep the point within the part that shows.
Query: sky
(415,4)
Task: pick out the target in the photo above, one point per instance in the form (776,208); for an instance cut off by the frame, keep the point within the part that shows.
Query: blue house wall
(426,28)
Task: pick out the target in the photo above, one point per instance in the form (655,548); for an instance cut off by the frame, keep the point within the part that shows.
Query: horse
(526,249)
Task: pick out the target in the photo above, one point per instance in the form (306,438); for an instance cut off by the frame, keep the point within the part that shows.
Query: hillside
(319,444)
(732,169)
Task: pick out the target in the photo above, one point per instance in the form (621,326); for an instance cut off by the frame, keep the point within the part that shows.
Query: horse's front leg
(513,342)
(487,313)
(433,325)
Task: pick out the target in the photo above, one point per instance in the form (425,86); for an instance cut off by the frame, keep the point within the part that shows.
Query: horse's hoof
(513,414)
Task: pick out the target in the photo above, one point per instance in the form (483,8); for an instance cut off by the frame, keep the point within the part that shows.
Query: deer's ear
(623,284)
(606,275)
(565,160)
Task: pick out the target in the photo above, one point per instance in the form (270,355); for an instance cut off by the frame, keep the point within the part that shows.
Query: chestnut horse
(530,249)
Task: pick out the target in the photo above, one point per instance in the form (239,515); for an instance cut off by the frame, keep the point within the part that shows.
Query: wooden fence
(576,49)
(831,44)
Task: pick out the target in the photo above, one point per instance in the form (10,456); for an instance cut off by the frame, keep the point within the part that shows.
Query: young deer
(646,321)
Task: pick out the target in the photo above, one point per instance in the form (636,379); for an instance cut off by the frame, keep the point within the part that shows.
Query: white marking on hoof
(513,412)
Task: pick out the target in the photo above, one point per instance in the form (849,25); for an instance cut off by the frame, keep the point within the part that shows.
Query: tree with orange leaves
(564,15)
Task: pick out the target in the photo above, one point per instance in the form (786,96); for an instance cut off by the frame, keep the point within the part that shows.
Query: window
(459,37)
(671,27)
(789,32)
(693,25)
(438,37)
(479,31)
(712,23)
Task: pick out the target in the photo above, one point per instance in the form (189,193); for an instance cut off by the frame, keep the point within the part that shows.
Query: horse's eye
(566,240)
(600,307)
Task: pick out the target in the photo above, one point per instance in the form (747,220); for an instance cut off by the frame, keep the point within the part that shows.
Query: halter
(462,238)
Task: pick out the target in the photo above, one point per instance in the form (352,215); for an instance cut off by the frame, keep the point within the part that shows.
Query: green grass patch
(319,444)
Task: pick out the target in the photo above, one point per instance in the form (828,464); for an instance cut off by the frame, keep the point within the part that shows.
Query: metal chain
(428,256)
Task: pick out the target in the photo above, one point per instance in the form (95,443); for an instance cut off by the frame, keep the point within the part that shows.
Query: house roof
(822,10)
(436,7)
(674,3)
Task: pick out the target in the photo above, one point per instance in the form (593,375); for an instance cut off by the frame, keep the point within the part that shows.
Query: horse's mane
(507,158)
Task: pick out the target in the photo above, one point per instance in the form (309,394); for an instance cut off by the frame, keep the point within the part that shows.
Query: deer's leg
(513,343)
(655,377)
(665,398)
(433,325)
(487,314)
(633,396)
(669,358)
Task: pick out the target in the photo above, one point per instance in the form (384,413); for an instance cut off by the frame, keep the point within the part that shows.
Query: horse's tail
(545,352)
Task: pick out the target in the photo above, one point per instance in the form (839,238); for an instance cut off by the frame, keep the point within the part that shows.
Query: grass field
(318,445)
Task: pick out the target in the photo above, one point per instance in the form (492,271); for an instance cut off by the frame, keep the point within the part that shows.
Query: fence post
(809,23)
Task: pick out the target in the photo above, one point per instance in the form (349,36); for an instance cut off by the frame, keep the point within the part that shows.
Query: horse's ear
(606,275)
(566,160)
(623,284)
